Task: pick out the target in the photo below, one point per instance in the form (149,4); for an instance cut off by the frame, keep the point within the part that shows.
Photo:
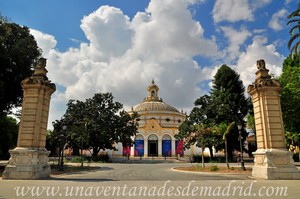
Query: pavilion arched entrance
(152,145)
(166,146)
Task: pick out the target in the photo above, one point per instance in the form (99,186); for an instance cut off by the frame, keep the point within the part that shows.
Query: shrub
(214,168)
(77,159)
(100,158)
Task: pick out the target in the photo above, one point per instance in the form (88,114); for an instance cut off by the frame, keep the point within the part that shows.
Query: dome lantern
(153,103)
(152,92)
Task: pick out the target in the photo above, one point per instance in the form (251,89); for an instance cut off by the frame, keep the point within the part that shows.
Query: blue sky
(119,46)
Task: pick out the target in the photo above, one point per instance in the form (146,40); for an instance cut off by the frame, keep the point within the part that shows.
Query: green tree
(98,123)
(290,97)
(18,53)
(225,104)
(201,135)
(204,111)
(228,96)
(294,42)
(230,103)
(52,143)
(196,134)
(8,135)
(225,130)
(250,123)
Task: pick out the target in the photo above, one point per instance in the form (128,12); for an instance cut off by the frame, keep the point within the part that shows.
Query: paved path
(146,172)
(147,181)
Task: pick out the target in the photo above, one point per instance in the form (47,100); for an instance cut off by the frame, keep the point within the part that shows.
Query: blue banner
(166,148)
(139,148)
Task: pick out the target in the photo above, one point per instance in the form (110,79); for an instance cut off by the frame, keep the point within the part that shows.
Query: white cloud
(236,38)
(255,4)
(232,11)
(259,49)
(259,31)
(114,39)
(277,21)
(45,41)
(123,56)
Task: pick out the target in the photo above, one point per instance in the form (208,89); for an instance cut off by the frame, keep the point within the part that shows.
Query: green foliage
(18,53)
(290,98)
(198,159)
(214,168)
(294,42)
(97,123)
(207,122)
(204,111)
(52,143)
(98,158)
(228,97)
(8,136)
(250,121)
(77,159)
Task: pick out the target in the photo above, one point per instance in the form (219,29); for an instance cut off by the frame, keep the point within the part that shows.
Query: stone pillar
(272,159)
(29,160)
(132,150)
(159,148)
(173,148)
(146,148)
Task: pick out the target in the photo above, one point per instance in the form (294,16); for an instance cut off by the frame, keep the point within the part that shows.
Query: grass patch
(214,169)
(88,159)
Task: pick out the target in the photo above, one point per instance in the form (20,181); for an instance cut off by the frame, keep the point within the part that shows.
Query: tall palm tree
(226,133)
(295,32)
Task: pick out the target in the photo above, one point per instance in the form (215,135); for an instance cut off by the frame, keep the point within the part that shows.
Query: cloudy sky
(119,46)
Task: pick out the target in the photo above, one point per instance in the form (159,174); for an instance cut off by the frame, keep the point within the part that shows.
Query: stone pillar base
(273,164)
(27,164)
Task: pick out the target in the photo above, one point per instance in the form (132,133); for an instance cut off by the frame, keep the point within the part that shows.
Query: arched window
(139,137)
(166,137)
(152,137)
(152,93)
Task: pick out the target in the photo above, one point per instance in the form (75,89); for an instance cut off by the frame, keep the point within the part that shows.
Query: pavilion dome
(154,106)
(153,103)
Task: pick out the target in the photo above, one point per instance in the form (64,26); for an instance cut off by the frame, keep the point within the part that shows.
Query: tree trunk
(59,156)
(229,153)
(75,151)
(95,152)
(226,153)
(211,153)
(299,150)
(202,154)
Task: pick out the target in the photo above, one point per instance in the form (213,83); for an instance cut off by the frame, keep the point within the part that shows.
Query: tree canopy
(97,123)
(18,53)
(228,96)
(294,42)
(290,98)
(225,104)
(8,135)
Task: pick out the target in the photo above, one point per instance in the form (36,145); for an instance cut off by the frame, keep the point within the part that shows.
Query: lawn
(214,169)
